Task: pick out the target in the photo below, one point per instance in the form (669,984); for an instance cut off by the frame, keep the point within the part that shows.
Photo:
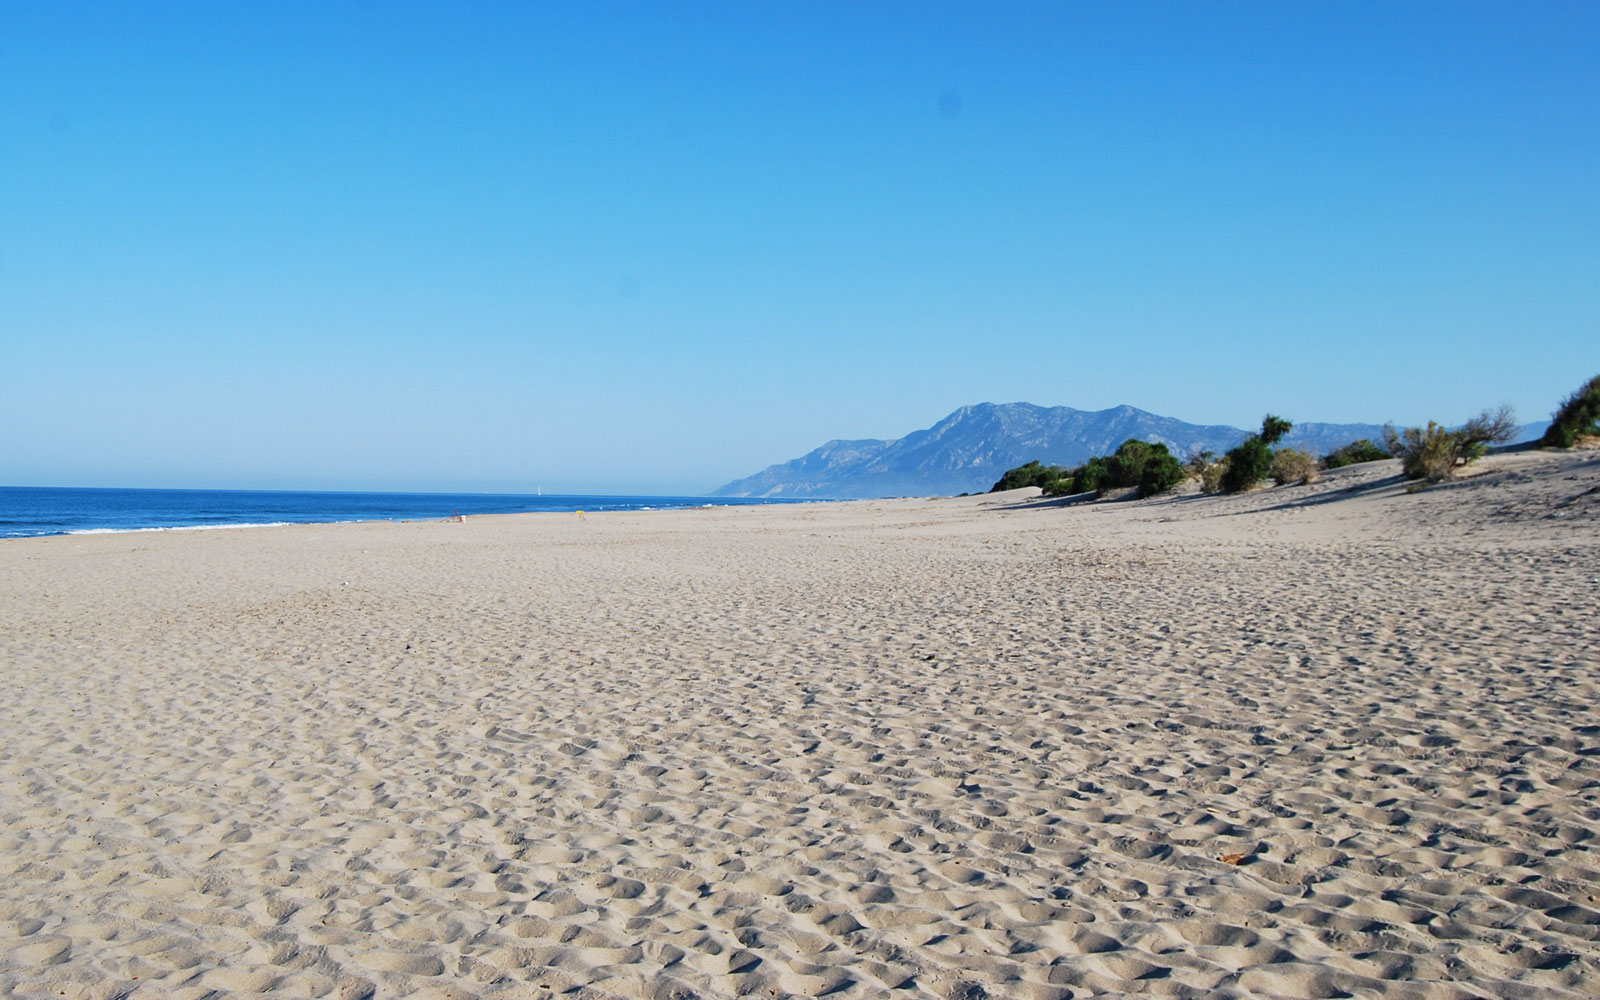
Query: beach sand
(1316,741)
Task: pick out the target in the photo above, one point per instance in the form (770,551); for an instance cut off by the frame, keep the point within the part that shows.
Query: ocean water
(27,511)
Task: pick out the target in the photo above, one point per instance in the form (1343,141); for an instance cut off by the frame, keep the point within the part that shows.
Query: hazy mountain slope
(814,474)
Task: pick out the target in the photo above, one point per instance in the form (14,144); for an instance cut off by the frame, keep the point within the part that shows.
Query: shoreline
(1309,740)
(57,519)
(1366,481)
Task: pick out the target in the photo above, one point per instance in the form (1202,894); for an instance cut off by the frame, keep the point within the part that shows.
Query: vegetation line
(1428,454)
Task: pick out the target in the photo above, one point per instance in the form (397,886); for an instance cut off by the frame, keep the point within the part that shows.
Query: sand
(1315,741)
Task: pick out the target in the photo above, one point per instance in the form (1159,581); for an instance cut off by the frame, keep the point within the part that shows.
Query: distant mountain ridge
(972,447)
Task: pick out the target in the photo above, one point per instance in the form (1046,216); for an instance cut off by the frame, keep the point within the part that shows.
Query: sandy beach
(1319,741)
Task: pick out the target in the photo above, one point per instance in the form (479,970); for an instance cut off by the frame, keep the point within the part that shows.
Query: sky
(649,248)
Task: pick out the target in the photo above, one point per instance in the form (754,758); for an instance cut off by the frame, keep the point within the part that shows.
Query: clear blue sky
(652,247)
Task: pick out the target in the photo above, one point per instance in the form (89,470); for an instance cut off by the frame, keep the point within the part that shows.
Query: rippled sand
(1334,740)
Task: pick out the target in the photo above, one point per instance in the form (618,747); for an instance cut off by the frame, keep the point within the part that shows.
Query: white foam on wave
(179,527)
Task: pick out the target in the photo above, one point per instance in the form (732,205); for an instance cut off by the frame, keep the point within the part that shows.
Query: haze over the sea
(616,248)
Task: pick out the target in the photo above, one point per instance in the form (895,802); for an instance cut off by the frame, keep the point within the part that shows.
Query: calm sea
(27,511)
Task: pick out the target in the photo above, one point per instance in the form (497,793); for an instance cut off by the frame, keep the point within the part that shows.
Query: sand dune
(1320,741)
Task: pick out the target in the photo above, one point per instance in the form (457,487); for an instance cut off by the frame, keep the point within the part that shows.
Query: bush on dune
(1579,416)
(1291,466)
(1161,473)
(1211,475)
(1031,474)
(1208,469)
(1151,468)
(1090,477)
(1143,464)
(1248,464)
(1434,452)
(1251,462)
(1357,451)
(1127,463)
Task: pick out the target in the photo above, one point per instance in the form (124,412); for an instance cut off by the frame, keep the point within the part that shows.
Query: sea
(29,511)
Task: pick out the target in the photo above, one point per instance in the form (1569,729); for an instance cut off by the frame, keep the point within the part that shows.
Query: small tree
(1273,429)
(1579,416)
(1433,453)
(1248,465)
(1251,461)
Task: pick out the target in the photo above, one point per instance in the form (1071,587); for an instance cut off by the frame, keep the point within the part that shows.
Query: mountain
(972,447)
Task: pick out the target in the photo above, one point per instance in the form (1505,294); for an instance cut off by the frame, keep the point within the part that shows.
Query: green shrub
(1357,451)
(1090,477)
(1126,466)
(1031,474)
(1579,416)
(1434,452)
(1293,466)
(1147,465)
(1273,429)
(1251,462)
(1248,465)
(1425,453)
(1161,473)
(1144,464)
